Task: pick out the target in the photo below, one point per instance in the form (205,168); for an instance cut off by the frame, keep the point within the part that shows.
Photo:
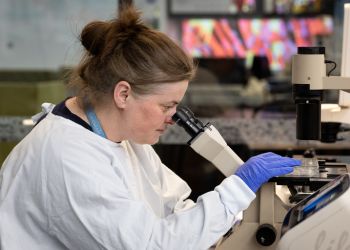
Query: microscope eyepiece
(185,118)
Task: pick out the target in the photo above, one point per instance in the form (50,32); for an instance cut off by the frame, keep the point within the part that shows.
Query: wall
(42,34)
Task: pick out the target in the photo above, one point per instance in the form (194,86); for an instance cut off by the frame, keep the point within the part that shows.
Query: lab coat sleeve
(88,209)
(173,184)
(210,218)
(174,190)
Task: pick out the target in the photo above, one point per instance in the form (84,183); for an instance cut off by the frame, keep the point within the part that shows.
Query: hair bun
(101,38)
(129,18)
(93,36)
(125,27)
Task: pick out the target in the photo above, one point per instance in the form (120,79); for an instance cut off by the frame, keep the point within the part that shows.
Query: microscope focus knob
(266,235)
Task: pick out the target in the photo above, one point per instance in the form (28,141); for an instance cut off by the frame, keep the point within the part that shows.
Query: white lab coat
(65,187)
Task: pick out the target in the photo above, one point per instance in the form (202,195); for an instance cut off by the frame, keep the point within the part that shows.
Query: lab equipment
(309,79)
(208,142)
(261,222)
(261,225)
(321,220)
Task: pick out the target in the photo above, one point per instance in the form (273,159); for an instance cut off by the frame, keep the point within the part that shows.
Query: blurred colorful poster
(216,38)
(267,37)
(275,38)
(306,30)
(300,30)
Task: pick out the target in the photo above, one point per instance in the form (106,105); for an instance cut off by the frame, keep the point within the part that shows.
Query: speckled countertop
(257,133)
(12,128)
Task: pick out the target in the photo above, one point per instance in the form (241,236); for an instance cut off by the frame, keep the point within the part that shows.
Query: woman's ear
(122,91)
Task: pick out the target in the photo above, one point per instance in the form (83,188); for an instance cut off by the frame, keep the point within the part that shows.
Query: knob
(266,235)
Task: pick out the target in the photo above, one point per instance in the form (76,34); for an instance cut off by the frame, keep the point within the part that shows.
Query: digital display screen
(319,202)
(321,198)
(315,202)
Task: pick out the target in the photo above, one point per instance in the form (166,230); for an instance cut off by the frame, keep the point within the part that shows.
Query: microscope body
(309,79)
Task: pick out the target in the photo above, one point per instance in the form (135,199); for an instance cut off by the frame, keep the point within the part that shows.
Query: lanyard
(94,122)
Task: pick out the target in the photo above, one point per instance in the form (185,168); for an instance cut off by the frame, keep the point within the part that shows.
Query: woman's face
(148,116)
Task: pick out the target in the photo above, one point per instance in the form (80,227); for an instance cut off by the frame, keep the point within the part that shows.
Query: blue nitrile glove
(259,169)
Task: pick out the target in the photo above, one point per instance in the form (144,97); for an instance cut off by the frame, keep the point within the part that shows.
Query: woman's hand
(259,169)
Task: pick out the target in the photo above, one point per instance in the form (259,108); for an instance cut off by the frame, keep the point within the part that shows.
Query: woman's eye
(166,108)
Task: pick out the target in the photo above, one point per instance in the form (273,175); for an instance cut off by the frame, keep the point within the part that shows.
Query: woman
(86,176)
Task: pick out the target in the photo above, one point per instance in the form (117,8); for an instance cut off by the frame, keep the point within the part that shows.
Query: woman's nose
(169,120)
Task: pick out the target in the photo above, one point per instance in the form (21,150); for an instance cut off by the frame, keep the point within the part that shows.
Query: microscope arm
(338,113)
(208,142)
(210,145)
(335,113)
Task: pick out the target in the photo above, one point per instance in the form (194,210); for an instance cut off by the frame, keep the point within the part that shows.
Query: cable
(334,66)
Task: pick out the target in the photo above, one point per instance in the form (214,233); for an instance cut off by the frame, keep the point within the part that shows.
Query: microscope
(208,142)
(314,120)
(261,223)
(320,220)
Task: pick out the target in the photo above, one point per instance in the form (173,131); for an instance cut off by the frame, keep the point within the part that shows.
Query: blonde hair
(126,49)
